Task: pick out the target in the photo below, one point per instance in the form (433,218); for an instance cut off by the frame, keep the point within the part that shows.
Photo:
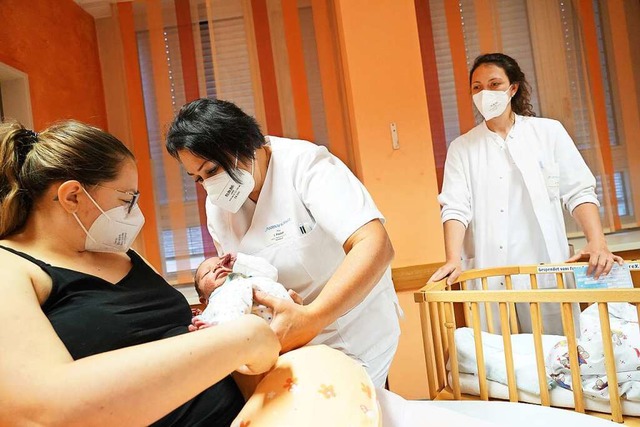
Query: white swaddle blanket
(235,297)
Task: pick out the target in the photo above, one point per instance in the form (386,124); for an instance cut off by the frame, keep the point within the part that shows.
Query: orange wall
(54,43)
(381,58)
(381,54)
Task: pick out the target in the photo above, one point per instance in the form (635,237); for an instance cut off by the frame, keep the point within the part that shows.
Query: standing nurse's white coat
(310,203)
(510,194)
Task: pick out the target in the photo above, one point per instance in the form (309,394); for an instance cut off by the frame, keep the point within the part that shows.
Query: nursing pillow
(313,386)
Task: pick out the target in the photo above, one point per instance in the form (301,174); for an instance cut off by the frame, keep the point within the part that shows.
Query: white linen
(399,412)
(625,337)
(235,298)
(558,396)
(253,266)
(524,359)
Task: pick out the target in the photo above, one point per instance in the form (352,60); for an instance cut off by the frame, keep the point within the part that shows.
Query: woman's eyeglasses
(135,195)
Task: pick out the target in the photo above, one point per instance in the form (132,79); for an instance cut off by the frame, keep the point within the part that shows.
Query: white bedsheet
(524,359)
(398,412)
(558,396)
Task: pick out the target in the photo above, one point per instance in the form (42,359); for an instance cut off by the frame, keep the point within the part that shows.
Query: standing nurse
(506,182)
(294,204)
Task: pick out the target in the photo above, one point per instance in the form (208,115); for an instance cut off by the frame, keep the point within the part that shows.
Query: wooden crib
(443,308)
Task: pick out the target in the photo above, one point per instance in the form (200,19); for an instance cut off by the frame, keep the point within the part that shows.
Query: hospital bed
(443,308)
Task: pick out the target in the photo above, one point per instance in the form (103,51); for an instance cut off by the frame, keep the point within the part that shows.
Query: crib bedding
(559,397)
(524,359)
(625,337)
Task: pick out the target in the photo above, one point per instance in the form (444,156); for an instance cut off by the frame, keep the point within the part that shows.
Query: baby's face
(212,273)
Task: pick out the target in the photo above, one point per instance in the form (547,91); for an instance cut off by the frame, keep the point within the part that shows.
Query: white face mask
(491,103)
(228,194)
(114,230)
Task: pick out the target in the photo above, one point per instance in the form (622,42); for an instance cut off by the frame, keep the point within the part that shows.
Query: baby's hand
(195,312)
(197,324)
(228,260)
(295,297)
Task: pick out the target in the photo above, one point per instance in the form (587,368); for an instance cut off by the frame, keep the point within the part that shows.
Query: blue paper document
(618,277)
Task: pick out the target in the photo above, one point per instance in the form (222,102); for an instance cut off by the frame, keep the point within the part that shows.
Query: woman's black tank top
(92,316)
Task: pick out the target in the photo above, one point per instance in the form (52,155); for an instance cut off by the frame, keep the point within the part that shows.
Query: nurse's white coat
(310,203)
(554,175)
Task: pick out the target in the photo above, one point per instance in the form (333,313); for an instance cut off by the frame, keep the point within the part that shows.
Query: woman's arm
(42,385)
(600,257)
(577,192)
(454,232)
(369,253)
(456,213)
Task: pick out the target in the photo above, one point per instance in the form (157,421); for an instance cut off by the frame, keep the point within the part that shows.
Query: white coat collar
(513,133)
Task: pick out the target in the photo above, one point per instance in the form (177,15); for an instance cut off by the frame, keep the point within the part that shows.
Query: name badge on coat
(279,231)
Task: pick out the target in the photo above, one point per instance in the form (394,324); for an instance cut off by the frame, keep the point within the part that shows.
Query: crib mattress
(559,397)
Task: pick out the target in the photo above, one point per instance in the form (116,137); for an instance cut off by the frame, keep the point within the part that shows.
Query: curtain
(262,55)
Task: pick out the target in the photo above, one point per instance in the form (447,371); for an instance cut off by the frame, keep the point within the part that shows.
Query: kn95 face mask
(114,230)
(228,194)
(491,103)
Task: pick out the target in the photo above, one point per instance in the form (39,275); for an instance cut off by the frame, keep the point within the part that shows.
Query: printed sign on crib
(618,277)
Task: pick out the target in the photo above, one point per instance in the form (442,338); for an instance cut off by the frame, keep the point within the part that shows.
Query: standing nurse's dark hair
(521,101)
(217,131)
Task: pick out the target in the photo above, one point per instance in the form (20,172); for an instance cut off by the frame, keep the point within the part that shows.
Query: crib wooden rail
(438,320)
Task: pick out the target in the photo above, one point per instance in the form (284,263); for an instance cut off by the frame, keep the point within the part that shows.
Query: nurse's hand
(294,324)
(600,258)
(450,269)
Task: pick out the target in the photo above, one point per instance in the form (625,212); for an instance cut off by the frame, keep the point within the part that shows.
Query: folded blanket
(524,359)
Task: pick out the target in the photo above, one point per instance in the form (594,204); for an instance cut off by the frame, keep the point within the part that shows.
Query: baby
(225,285)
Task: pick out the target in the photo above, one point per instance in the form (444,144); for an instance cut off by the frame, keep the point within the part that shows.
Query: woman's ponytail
(15,202)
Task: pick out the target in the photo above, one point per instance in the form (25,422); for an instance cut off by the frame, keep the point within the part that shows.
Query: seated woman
(89,332)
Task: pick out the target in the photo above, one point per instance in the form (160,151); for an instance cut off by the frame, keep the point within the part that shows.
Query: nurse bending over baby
(294,204)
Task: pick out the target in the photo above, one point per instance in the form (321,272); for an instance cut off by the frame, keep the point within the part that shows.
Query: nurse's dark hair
(521,101)
(30,163)
(215,130)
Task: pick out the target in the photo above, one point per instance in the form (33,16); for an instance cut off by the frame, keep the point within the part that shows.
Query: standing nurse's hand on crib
(454,232)
(450,269)
(600,257)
